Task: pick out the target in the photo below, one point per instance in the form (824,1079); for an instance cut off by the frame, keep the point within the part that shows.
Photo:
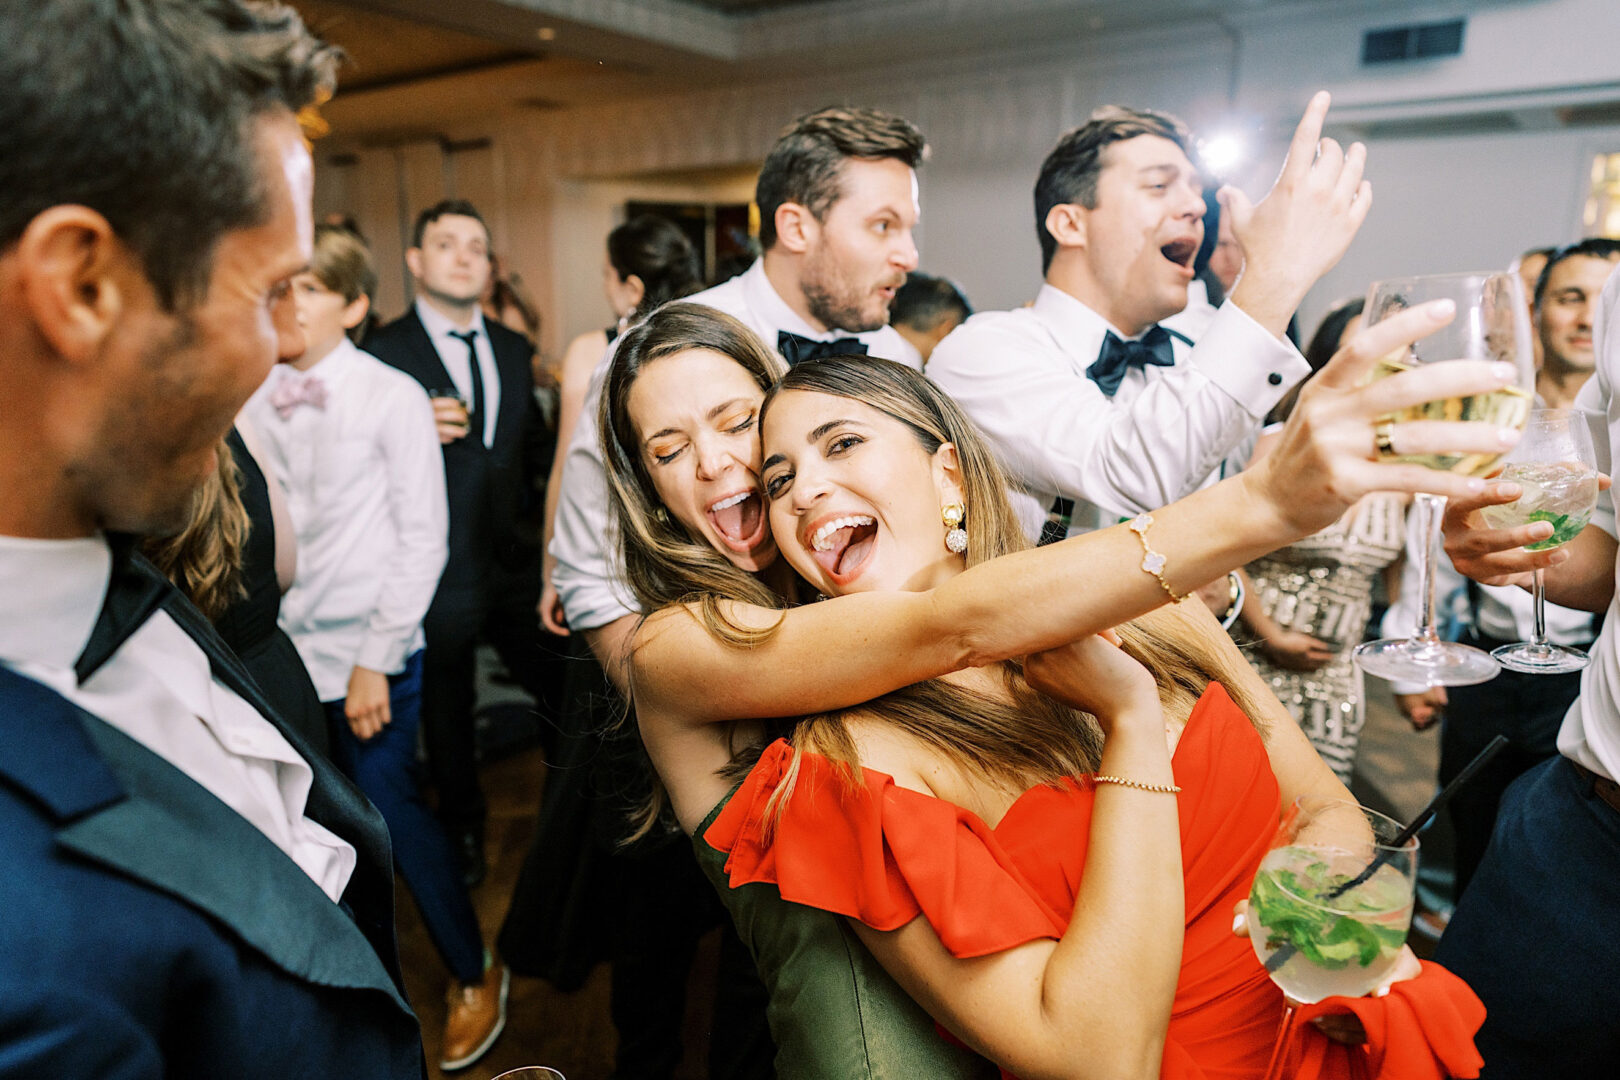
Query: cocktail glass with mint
(1557,470)
(1330,905)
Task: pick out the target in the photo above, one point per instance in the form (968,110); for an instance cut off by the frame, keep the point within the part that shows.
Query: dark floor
(569,1032)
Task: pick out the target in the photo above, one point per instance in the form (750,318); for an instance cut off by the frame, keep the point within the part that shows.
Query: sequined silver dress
(1323,586)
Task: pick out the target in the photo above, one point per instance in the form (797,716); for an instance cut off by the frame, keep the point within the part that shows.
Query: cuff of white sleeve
(384,654)
(588,602)
(1241,357)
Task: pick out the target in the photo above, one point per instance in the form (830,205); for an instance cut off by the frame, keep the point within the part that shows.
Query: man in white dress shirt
(1534,935)
(189,892)
(1097,411)
(837,200)
(353,442)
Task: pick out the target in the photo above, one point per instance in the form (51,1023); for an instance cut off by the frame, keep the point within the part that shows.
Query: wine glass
(1330,906)
(1492,323)
(1555,466)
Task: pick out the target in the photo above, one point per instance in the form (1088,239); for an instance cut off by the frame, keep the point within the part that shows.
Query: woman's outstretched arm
(841,652)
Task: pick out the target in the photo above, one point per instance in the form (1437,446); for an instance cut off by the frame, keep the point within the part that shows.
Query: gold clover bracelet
(1152,561)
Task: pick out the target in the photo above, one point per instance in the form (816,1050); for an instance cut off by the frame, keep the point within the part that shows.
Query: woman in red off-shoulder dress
(1094,941)
(1035,915)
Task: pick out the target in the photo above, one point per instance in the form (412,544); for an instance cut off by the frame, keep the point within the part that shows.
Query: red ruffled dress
(885,854)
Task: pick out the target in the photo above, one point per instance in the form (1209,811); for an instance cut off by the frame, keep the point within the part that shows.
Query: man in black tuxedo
(479,376)
(189,890)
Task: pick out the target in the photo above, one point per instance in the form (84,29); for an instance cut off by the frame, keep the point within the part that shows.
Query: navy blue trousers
(1529,710)
(1537,934)
(384,767)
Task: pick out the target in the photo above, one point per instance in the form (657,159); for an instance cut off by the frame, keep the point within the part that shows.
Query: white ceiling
(422,66)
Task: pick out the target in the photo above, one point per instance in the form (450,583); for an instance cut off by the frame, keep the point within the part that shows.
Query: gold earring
(662,515)
(956,538)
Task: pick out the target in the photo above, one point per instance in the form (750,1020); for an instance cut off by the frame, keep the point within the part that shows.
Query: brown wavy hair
(1024,738)
(662,562)
(204,559)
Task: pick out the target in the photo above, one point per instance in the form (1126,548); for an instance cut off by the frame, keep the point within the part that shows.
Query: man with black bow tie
(1097,410)
(837,200)
(189,890)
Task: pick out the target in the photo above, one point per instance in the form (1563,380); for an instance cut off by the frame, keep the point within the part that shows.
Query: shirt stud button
(1274,379)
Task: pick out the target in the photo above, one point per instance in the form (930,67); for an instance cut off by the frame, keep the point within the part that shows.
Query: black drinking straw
(1436,804)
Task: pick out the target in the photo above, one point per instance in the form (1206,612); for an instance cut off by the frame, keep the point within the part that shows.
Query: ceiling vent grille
(1420,41)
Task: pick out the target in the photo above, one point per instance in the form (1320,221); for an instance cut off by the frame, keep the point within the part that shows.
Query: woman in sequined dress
(1308,603)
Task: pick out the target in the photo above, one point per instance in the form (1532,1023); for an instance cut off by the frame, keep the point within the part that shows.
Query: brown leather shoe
(476,1019)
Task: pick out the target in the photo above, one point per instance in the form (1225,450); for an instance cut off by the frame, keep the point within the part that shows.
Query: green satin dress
(834,1012)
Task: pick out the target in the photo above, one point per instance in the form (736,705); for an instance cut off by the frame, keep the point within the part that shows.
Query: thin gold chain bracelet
(1163,789)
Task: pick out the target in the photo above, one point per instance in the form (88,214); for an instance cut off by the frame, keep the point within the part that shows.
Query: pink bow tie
(295,390)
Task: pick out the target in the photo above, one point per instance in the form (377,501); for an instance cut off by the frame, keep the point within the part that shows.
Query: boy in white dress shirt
(1096,410)
(355,444)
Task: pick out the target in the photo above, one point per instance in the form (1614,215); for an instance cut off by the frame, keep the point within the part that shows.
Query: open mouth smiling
(1181,252)
(739,520)
(842,544)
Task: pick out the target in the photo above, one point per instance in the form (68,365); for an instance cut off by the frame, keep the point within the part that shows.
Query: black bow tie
(134,591)
(796,349)
(1153,347)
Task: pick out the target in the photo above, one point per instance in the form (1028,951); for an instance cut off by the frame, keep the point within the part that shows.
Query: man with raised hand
(1099,412)
(189,890)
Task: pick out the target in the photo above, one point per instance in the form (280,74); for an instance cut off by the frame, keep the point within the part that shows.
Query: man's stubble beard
(450,301)
(122,504)
(831,304)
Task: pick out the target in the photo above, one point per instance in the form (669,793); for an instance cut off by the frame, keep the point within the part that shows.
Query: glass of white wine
(1555,466)
(1492,323)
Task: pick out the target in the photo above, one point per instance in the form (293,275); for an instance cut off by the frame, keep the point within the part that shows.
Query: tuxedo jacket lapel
(430,370)
(334,801)
(122,806)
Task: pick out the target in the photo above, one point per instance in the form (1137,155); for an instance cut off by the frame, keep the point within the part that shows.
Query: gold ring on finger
(1383,445)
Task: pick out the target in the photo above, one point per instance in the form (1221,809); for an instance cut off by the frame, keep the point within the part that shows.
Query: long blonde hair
(204,559)
(1027,738)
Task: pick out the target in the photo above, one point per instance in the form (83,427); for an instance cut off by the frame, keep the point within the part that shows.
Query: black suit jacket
(490,488)
(149,931)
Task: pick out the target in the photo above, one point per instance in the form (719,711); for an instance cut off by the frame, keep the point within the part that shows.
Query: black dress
(249,625)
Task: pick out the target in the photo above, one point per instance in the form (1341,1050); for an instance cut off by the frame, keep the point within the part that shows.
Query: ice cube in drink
(1560,492)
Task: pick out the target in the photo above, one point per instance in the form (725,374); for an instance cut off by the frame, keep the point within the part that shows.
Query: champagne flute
(1492,323)
(1330,906)
(1557,469)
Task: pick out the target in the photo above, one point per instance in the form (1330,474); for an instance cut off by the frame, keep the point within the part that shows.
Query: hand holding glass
(1557,469)
(1321,923)
(1492,323)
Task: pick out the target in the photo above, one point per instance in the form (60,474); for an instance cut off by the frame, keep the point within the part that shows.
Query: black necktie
(1153,347)
(475,410)
(796,349)
(134,591)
